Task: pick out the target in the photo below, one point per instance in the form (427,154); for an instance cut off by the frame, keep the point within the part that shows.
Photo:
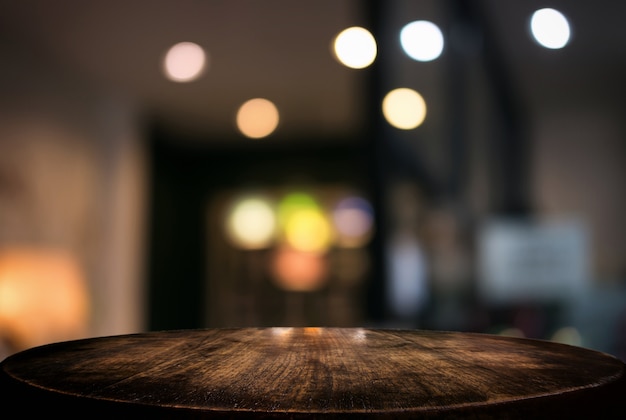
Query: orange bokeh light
(43,297)
(299,271)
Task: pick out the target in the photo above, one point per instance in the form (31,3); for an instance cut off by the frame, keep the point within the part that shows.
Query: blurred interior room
(428,164)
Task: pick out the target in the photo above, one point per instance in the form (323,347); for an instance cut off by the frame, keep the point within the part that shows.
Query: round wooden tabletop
(313,372)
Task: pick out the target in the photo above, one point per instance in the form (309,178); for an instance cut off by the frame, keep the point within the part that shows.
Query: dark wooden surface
(313,372)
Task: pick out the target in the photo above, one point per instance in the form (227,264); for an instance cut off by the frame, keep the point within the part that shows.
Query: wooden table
(312,372)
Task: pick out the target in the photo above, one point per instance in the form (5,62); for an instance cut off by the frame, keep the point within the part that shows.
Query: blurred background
(449,165)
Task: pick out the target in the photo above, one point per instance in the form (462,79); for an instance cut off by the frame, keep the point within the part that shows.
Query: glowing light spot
(308,230)
(567,335)
(359,334)
(298,271)
(281,332)
(407,289)
(257,118)
(292,203)
(312,331)
(305,225)
(251,223)
(353,220)
(550,28)
(185,62)
(422,40)
(43,297)
(404,108)
(355,47)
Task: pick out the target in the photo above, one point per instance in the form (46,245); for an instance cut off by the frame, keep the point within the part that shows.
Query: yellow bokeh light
(308,230)
(292,203)
(251,223)
(257,118)
(304,224)
(355,47)
(404,108)
(185,62)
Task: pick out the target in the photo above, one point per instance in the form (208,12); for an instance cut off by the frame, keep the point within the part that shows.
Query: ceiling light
(257,118)
(550,28)
(355,47)
(184,62)
(404,108)
(422,40)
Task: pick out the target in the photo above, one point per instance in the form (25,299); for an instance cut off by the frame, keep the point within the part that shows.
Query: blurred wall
(579,166)
(73,177)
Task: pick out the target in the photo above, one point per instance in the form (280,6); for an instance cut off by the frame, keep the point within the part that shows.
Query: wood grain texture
(314,372)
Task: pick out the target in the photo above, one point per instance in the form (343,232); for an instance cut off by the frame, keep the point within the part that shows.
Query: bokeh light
(251,223)
(43,297)
(308,230)
(305,225)
(550,28)
(355,47)
(404,108)
(291,203)
(185,62)
(422,40)
(257,118)
(298,271)
(353,219)
(407,287)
